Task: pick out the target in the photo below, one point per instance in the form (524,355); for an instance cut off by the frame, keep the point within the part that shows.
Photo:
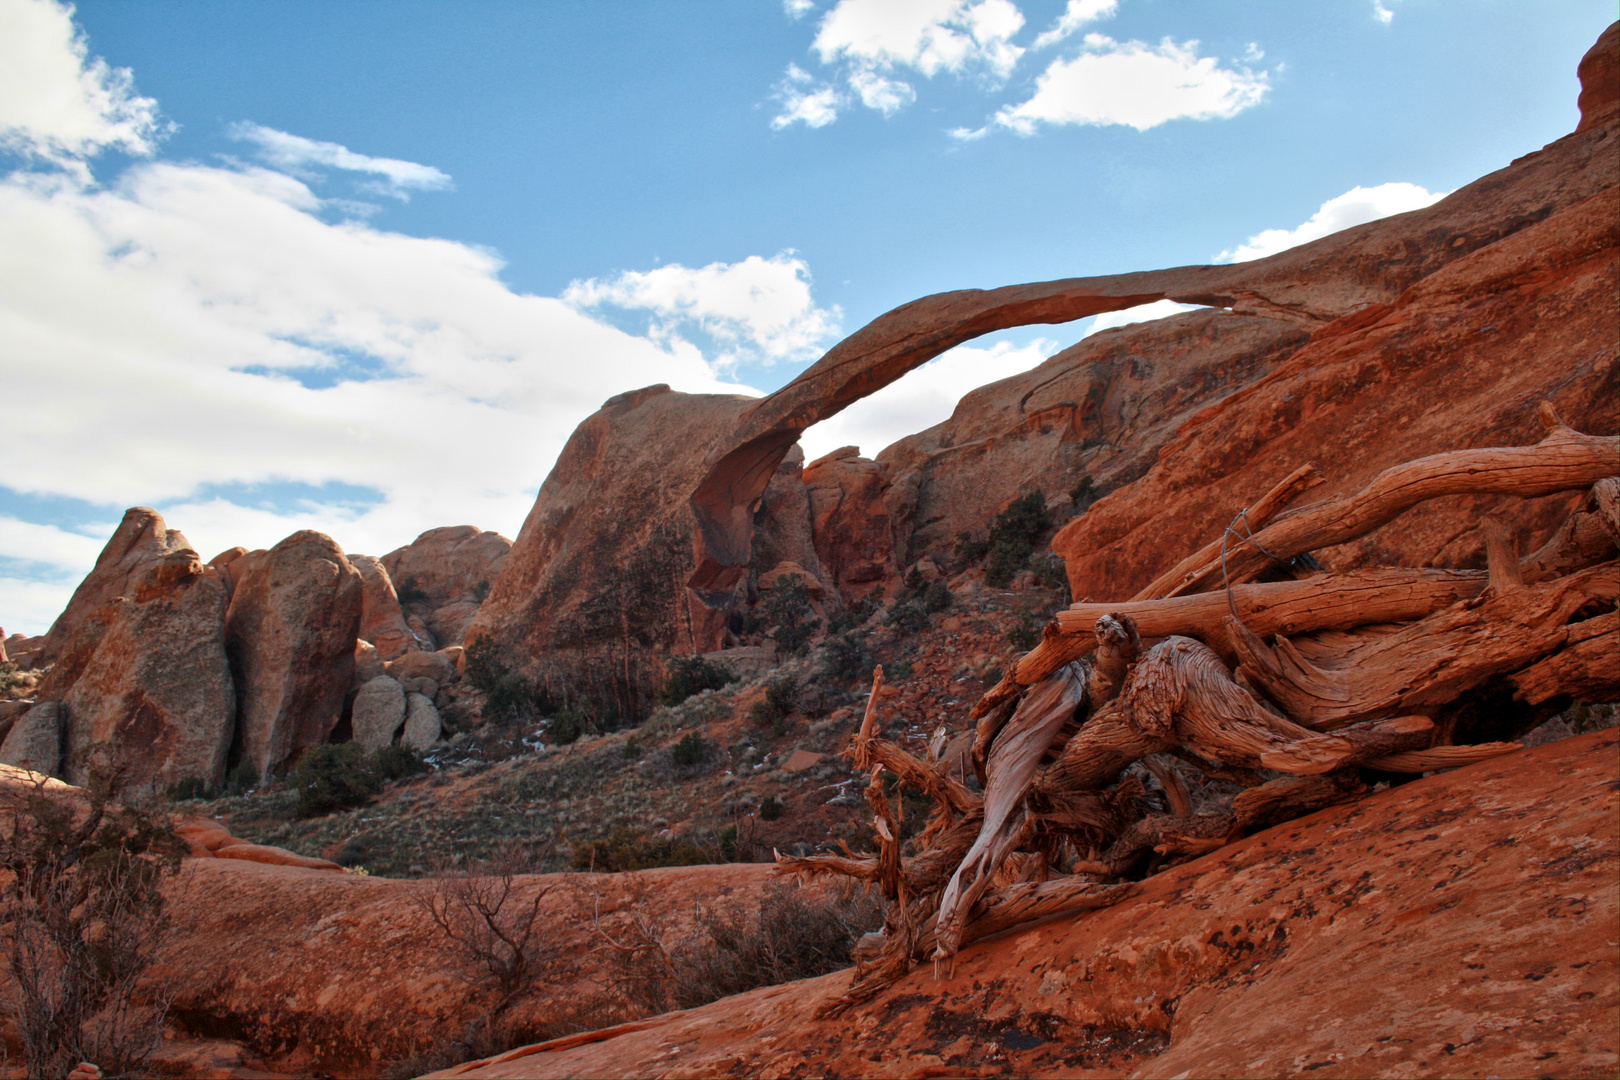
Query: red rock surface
(1459,925)
(291,634)
(145,668)
(141,538)
(446,570)
(382,622)
(854,535)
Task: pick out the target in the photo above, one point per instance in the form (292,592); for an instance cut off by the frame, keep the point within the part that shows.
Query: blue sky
(362,267)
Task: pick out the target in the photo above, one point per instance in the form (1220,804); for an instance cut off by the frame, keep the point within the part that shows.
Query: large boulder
(442,577)
(382,622)
(422,724)
(378,712)
(783,535)
(35,740)
(144,672)
(291,633)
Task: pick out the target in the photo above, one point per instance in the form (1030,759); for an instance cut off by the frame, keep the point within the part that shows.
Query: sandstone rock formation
(382,622)
(443,575)
(1371,302)
(291,633)
(140,539)
(144,669)
(378,713)
(849,519)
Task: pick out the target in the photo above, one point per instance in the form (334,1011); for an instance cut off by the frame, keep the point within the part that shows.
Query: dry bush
(794,933)
(81,919)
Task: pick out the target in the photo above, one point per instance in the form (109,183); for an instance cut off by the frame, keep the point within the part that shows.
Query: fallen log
(1565,460)
(1428,663)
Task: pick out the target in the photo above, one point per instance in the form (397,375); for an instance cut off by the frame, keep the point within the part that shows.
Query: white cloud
(56,103)
(922,398)
(1355,207)
(798,9)
(1077,14)
(299,156)
(804,100)
(872,41)
(1382,13)
(756,308)
(31,604)
(29,542)
(1136,85)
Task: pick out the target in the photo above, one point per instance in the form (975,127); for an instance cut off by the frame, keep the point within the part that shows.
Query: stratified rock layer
(291,633)
(1460,925)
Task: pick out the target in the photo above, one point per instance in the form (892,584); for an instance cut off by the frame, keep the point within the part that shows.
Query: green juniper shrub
(632,748)
(242,779)
(771,808)
(480,591)
(1083,495)
(190,787)
(777,703)
(509,698)
(625,849)
(690,750)
(1013,537)
(566,726)
(992,676)
(853,616)
(396,762)
(970,550)
(898,671)
(689,675)
(10,677)
(332,776)
(409,592)
(1051,573)
(787,608)
(1026,635)
(845,657)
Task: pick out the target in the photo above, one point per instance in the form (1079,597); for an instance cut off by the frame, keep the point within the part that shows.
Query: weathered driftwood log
(1029,901)
(1587,537)
(1324,602)
(1011,766)
(1180,578)
(1429,663)
(1587,668)
(1565,460)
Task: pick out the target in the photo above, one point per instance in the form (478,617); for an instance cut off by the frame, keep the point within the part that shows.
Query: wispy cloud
(1137,85)
(798,9)
(1357,206)
(1382,13)
(1077,14)
(304,157)
(757,309)
(805,100)
(58,104)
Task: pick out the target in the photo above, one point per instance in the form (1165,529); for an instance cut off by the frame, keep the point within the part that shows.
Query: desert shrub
(10,678)
(845,657)
(82,914)
(625,849)
(970,549)
(1051,573)
(1083,495)
(1025,635)
(919,599)
(689,675)
(792,933)
(242,779)
(690,750)
(632,748)
(565,727)
(853,616)
(897,671)
(396,763)
(705,708)
(509,698)
(771,808)
(480,591)
(787,608)
(777,703)
(190,787)
(409,592)
(991,676)
(1013,537)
